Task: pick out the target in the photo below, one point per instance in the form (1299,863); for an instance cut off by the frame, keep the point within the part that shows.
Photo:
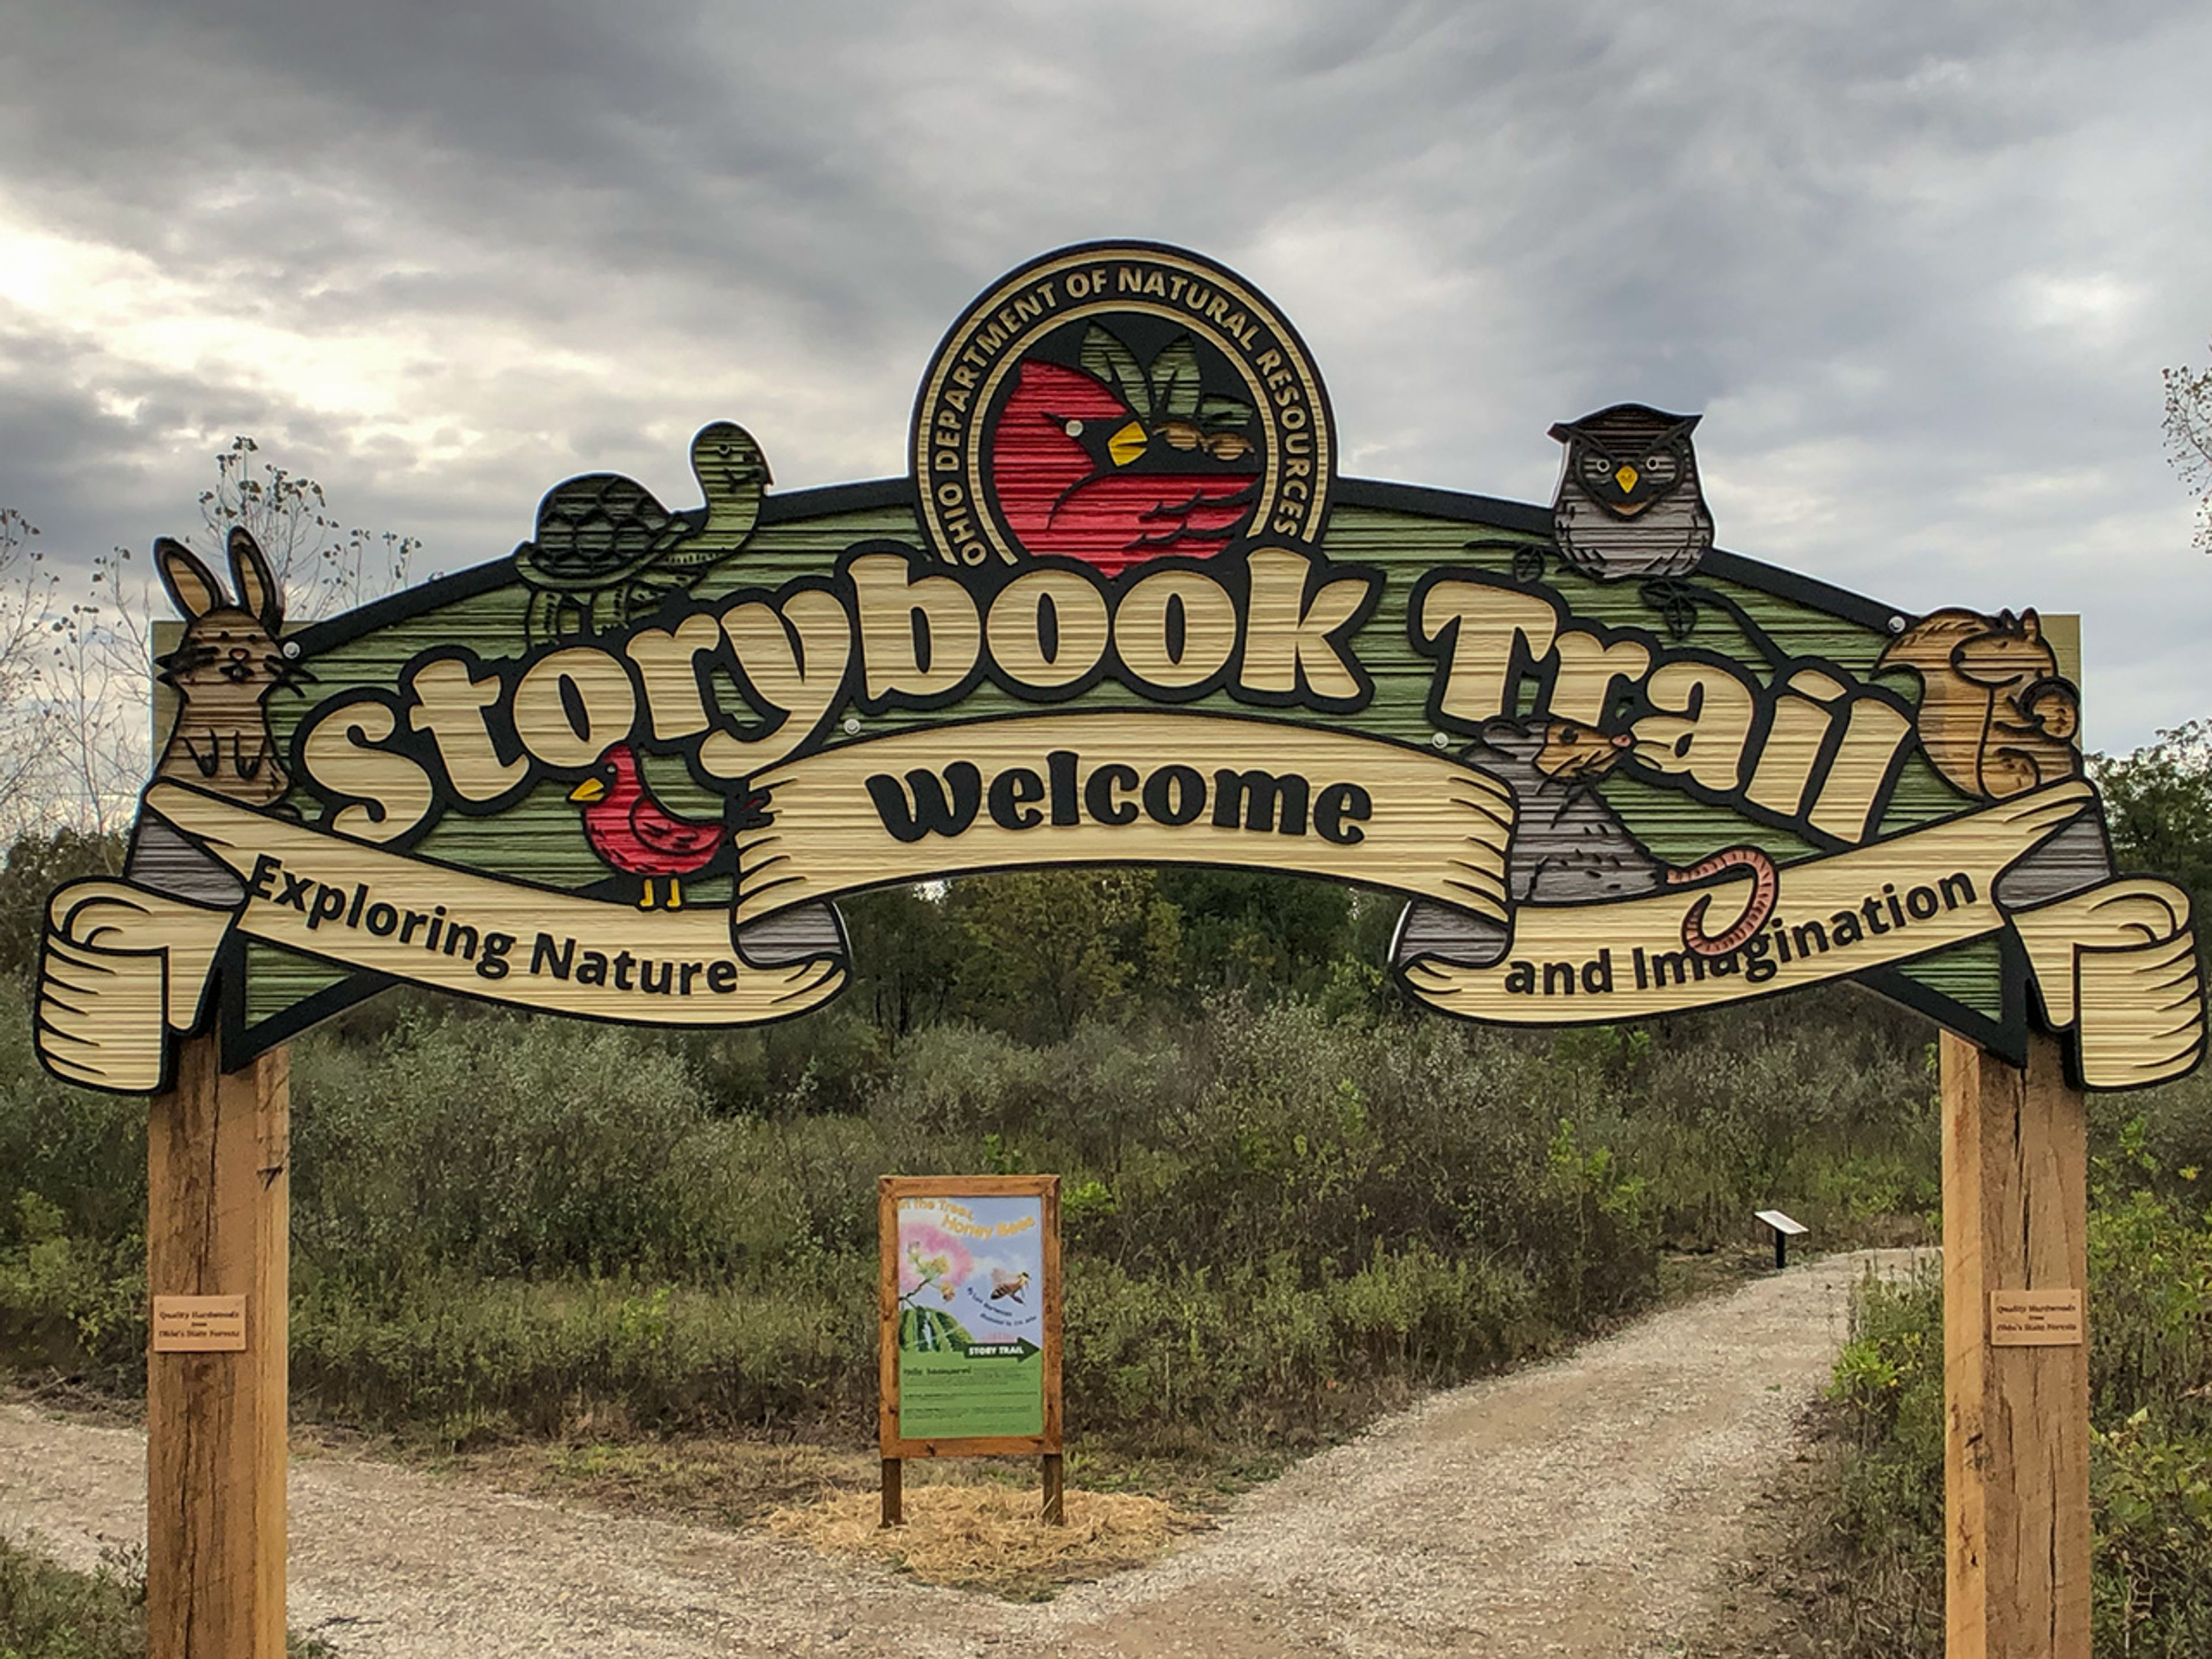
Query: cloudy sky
(1919,263)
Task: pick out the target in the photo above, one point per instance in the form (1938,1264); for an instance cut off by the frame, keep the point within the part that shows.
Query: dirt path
(1586,1507)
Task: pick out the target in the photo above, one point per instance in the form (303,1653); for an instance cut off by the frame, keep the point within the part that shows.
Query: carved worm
(1764,886)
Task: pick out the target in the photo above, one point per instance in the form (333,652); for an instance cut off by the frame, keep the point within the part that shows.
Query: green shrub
(71,1303)
(454,1358)
(72,1209)
(498,1147)
(82,1153)
(1826,1109)
(516,1223)
(2153,1496)
(1887,1510)
(1257,1352)
(48,1612)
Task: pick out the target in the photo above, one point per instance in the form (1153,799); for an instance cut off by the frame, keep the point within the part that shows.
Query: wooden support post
(2016,1458)
(218,1215)
(1056,1502)
(894,1492)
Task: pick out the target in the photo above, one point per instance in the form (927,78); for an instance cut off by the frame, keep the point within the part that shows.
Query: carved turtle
(606,551)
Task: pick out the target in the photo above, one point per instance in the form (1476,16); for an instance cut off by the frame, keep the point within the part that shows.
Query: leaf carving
(1107,359)
(1174,379)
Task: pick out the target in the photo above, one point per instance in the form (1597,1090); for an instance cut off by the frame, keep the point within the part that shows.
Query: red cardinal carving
(1077,472)
(632,831)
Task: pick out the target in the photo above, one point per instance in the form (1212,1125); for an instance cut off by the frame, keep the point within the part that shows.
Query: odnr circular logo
(1120,402)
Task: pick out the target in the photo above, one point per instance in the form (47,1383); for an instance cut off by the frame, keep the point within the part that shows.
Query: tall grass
(1278,1218)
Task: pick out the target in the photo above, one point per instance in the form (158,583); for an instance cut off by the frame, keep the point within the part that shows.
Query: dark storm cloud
(1920,265)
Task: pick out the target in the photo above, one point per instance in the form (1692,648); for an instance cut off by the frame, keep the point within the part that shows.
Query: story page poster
(971,1325)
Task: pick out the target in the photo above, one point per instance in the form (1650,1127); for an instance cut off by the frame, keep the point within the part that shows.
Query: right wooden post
(2016,1458)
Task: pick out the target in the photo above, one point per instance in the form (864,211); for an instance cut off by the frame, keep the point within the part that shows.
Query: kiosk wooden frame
(896,1446)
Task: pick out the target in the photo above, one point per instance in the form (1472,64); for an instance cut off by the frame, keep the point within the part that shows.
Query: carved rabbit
(223,668)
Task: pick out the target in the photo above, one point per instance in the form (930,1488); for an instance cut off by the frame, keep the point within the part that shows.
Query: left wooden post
(218,1217)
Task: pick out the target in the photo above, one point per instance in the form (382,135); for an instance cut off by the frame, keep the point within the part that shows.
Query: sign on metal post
(1784,1228)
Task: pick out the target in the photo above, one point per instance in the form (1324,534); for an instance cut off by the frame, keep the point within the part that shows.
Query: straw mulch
(990,1537)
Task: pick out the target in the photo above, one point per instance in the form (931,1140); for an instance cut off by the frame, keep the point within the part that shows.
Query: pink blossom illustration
(932,1258)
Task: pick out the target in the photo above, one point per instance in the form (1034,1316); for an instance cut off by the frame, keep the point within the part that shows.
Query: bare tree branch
(75,731)
(2189,439)
(325,566)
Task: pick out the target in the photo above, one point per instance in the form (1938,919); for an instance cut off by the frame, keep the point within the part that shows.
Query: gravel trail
(1585,1507)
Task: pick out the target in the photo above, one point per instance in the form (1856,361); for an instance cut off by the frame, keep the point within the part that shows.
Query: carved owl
(1628,504)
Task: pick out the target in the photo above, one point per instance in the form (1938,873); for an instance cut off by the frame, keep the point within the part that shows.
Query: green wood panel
(540,838)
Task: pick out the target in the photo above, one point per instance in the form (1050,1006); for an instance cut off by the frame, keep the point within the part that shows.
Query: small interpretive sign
(2035,1319)
(971,1316)
(199,1324)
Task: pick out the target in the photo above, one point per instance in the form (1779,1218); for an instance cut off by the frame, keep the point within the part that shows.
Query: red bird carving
(1078,472)
(633,832)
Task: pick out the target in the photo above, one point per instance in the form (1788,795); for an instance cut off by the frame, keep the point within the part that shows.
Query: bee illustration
(1003,1284)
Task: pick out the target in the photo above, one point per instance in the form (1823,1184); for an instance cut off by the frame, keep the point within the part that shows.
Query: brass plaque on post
(199,1324)
(2035,1319)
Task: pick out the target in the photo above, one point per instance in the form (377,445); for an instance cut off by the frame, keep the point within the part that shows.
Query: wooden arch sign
(1123,608)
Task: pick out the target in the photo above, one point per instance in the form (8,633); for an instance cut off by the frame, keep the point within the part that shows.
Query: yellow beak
(589,789)
(1127,444)
(1626,478)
